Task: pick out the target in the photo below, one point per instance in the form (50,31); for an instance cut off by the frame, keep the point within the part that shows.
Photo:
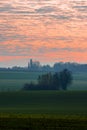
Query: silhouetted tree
(56,81)
(29,86)
(45,81)
(65,78)
(49,81)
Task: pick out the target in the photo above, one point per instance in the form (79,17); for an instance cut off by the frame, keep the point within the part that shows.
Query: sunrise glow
(46,30)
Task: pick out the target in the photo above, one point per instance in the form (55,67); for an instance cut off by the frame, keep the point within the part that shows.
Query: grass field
(43,110)
(43,123)
(10,81)
(44,102)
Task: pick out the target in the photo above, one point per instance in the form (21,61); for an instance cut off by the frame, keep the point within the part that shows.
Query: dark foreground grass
(43,123)
(43,110)
(44,102)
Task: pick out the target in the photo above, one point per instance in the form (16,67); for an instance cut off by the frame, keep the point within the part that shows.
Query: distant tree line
(59,66)
(51,81)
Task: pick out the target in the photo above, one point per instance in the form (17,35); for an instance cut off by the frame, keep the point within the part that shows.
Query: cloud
(43,28)
(8,37)
(61,17)
(46,9)
(61,49)
(3,38)
(6,8)
(81,8)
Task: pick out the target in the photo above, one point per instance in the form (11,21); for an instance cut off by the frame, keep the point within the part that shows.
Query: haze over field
(46,30)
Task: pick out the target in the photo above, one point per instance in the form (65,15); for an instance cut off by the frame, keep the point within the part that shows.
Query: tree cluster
(52,81)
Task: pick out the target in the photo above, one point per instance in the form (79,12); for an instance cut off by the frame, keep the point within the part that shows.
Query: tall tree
(56,81)
(65,79)
(45,81)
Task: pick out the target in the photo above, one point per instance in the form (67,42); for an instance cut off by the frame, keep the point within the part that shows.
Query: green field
(43,110)
(44,102)
(43,123)
(10,81)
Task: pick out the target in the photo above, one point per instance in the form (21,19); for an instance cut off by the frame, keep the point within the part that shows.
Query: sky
(45,30)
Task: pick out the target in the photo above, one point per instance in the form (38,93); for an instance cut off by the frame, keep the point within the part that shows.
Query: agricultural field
(43,110)
(44,102)
(42,123)
(13,81)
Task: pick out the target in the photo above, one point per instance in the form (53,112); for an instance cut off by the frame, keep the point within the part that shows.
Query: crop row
(44,123)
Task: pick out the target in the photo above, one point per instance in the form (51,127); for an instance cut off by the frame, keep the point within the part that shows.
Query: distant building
(33,65)
(30,64)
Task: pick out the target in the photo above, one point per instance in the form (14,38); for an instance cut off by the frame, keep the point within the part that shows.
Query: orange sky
(48,30)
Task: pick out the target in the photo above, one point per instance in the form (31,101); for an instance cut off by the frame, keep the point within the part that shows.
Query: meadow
(14,81)
(41,110)
(44,102)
